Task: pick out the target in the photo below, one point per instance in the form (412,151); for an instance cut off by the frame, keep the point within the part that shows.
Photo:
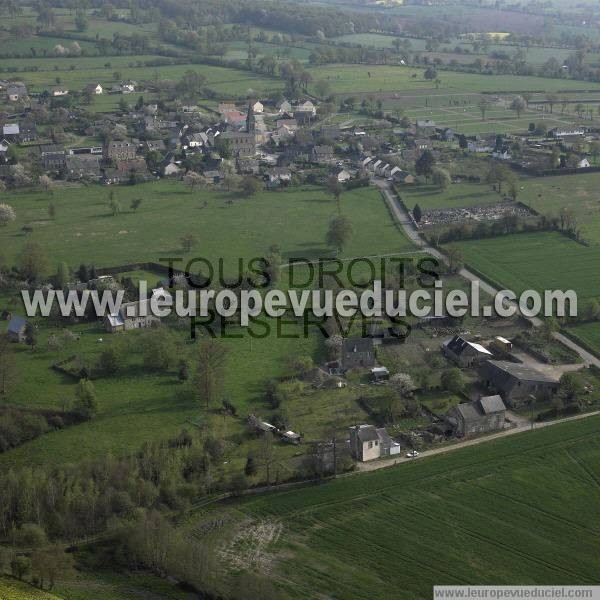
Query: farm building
(463,352)
(368,442)
(517,383)
(358,353)
(481,416)
(131,315)
(16,329)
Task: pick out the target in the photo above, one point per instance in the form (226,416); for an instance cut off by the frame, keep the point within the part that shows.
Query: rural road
(412,233)
(389,462)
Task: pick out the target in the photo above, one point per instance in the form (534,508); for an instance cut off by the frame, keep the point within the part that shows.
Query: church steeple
(250,120)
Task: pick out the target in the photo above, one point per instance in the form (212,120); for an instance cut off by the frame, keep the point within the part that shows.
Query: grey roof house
(464,353)
(368,442)
(481,416)
(358,353)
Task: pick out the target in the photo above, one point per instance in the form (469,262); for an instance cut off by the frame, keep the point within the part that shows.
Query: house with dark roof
(322,154)
(358,353)
(368,442)
(16,329)
(83,166)
(518,384)
(481,416)
(464,353)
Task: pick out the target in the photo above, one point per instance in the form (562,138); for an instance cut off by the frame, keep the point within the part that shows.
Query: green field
(430,197)
(523,510)
(84,229)
(92,70)
(352,79)
(539,261)
(548,195)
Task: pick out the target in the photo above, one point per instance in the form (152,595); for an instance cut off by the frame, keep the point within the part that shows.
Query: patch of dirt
(249,547)
(123,232)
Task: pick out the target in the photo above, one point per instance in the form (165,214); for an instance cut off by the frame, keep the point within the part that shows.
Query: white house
(307,106)
(59,91)
(368,442)
(343,176)
(584,163)
(258,107)
(94,88)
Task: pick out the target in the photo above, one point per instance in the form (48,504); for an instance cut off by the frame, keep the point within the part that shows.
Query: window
(370,445)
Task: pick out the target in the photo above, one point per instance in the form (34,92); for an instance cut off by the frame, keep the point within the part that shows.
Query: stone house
(357,353)
(120,150)
(481,416)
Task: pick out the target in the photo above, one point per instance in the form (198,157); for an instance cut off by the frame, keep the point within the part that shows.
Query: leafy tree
(417,213)
(430,74)
(62,275)
(424,164)
(86,400)
(339,233)
(81,22)
(452,380)
(192,179)
(518,104)
(571,387)
(249,186)
(114,204)
(250,469)
(30,335)
(483,105)
(135,204)
(110,361)
(441,178)
(20,566)
(7,214)
(210,367)
(335,188)
(160,350)
(189,241)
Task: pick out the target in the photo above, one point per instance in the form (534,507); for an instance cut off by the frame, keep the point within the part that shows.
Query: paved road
(412,233)
(389,462)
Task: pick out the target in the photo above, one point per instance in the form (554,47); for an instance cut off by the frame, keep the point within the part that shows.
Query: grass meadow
(84,229)
(388,530)
(430,197)
(353,79)
(548,195)
(540,261)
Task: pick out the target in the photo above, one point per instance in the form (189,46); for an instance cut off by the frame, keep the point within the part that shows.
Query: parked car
(412,454)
